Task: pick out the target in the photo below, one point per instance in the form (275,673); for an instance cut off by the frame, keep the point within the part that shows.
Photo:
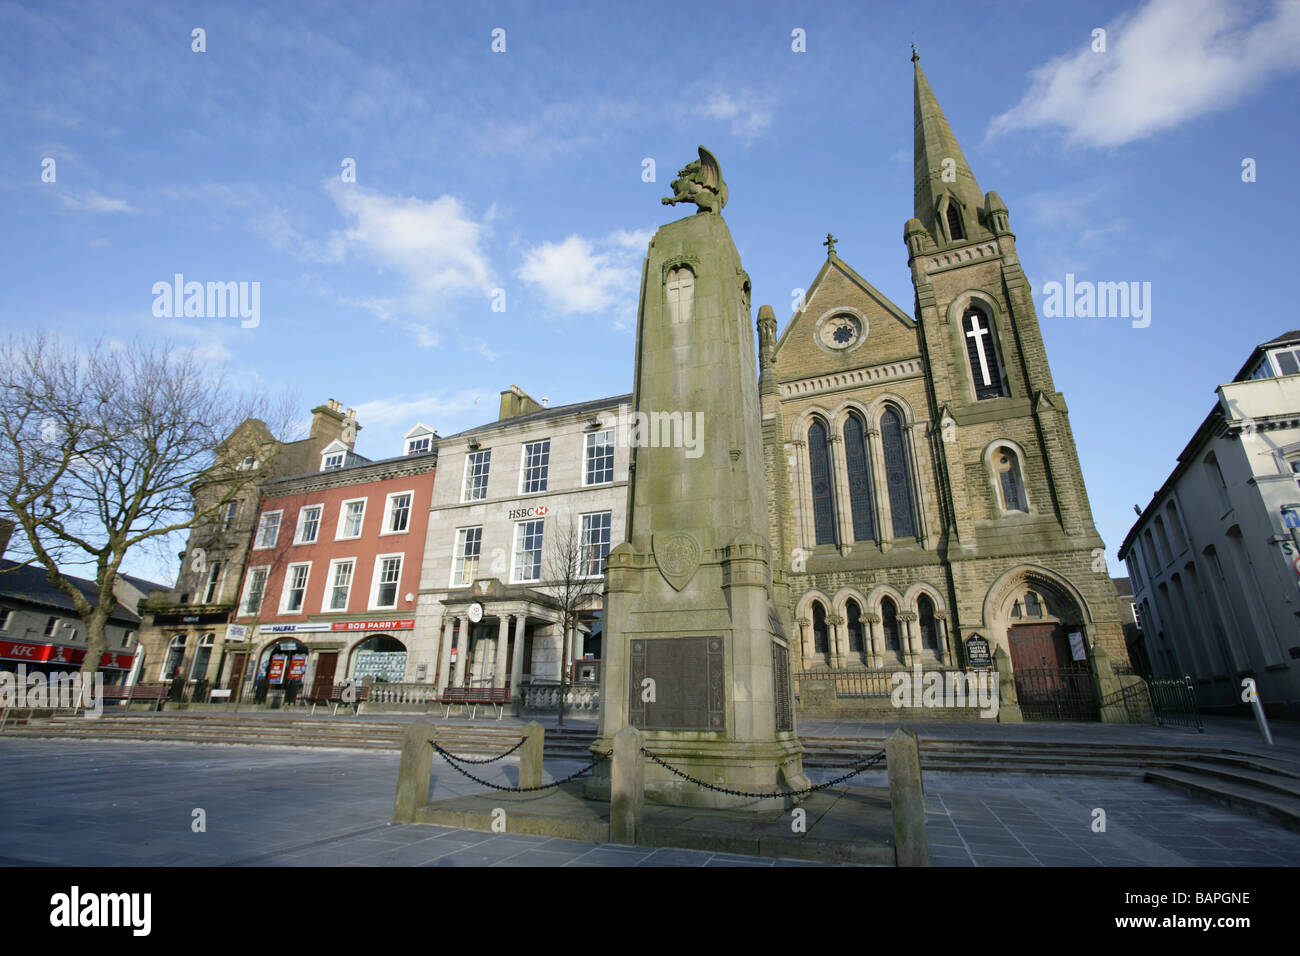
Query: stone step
(1259,778)
(1250,798)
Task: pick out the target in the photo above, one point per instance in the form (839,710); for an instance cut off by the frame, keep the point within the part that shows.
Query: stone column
(875,659)
(503,639)
(914,473)
(911,652)
(946,655)
(838,651)
(805,641)
(880,491)
(444,655)
(517,664)
(803,497)
(462,650)
(840,492)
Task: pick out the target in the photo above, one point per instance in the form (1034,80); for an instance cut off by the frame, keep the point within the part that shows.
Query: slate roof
(555,411)
(27,585)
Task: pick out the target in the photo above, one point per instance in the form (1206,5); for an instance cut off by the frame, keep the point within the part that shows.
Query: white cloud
(1166,63)
(747,112)
(434,246)
(582,276)
(94,202)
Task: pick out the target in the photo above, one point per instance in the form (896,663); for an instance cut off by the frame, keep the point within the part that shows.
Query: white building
(507,496)
(1212,558)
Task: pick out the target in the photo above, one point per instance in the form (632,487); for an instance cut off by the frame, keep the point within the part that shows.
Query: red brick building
(332,577)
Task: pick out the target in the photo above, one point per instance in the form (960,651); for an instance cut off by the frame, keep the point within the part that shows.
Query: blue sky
(522,171)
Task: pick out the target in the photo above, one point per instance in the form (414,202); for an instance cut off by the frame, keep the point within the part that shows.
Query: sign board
(236,632)
(372,626)
(390,665)
(291,628)
(276,672)
(1290,518)
(297,666)
(1296,564)
(57,654)
(1078,650)
(541,511)
(476,612)
(977,652)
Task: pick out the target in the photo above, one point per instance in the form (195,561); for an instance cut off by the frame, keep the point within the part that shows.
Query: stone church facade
(923,481)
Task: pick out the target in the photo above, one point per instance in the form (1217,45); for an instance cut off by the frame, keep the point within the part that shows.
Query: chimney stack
(330,422)
(515,401)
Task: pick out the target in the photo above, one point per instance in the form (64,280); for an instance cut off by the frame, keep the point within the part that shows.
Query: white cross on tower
(977,333)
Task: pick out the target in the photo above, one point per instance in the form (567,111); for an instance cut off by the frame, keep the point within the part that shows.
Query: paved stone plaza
(119,803)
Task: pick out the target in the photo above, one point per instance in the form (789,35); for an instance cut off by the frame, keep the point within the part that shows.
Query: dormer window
(1287,360)
(955,230)
(418,446)
(334,456)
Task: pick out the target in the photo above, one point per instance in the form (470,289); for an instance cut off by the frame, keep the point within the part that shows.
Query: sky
(500,207)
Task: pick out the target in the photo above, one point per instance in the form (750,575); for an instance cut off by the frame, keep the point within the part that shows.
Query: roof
(140,584)
(351,467)
(557,411)
(27,584)
(1285,337)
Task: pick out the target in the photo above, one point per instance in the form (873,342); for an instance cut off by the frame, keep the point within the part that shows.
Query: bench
(117,695)
(473,697)
(221,693)
(336,694)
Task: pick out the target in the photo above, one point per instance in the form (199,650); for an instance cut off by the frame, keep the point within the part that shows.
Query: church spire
(943,178)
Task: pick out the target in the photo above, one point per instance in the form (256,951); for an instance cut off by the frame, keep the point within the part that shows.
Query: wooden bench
(473,697)
(127,695)
(336,694)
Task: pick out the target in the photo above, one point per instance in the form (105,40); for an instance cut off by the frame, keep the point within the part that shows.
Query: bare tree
(574,576)
(105,449)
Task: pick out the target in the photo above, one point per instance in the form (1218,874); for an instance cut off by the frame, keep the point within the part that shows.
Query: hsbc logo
(541,511)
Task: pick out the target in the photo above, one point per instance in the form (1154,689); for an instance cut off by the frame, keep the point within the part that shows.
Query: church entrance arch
(1045,626)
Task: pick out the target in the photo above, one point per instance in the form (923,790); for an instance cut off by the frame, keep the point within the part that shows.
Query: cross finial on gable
(830,245)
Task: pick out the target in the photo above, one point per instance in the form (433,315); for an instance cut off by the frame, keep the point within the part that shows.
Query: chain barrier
(522,741)
(863,765)
(453,761)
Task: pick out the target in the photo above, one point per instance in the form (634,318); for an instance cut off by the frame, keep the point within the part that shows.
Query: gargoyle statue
(701,183)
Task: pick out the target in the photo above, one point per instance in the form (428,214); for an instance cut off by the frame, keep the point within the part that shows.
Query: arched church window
(681,293)
(857,459)
(982,353)
(821,638)
(929,626)
(898,474)
(1032,607)
(955,231)
(1011,483)
(175,657)
(889,623)
(853,615)
(819,461)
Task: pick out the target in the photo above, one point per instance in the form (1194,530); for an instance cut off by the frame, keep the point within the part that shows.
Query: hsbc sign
(541,511)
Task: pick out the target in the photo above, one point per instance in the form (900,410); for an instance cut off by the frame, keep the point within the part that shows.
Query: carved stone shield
(678,557)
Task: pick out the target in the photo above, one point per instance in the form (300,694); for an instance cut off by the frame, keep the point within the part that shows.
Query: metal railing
(862,682)
(1175,702)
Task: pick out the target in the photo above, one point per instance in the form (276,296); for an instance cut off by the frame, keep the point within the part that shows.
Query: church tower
(1006,455)
(925,490)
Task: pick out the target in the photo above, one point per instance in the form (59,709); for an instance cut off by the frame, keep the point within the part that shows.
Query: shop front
(46,658)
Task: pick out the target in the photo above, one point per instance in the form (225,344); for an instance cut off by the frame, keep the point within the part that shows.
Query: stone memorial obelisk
(694,654)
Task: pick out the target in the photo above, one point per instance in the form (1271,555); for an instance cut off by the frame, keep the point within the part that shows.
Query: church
(926,502)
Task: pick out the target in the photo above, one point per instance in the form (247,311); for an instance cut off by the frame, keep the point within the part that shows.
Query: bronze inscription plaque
(781,687)
(688,684)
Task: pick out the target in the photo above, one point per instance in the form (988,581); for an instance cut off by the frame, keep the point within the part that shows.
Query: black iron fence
(1175,703)
(1066,692)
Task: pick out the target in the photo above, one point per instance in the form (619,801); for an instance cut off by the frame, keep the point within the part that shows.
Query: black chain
(866,763)
(496,786)
(522,741)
